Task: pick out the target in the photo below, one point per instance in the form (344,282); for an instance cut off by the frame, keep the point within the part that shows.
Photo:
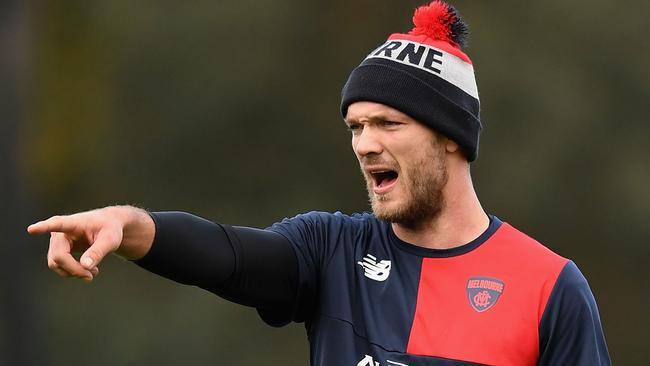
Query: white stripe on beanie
(433,60)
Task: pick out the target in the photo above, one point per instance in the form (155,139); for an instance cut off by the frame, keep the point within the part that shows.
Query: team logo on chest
(483,292)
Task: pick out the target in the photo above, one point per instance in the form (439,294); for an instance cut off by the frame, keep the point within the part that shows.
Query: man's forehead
(372,110)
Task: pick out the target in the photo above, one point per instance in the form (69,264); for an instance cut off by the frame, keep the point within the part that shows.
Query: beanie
(425,74)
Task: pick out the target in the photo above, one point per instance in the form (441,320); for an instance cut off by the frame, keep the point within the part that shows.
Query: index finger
(61,224)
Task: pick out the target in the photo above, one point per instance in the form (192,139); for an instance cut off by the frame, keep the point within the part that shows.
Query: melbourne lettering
(486,284)
(411,53)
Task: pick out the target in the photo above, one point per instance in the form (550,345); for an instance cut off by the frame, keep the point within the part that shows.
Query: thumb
(107,241)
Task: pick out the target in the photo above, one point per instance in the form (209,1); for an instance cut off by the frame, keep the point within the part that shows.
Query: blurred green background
(229,109)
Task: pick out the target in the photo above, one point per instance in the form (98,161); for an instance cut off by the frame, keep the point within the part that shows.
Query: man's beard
(423,183)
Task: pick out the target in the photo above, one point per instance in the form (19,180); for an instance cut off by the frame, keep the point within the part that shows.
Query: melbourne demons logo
(483,292)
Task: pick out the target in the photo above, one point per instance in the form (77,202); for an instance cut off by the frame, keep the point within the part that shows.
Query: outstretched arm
(249,266)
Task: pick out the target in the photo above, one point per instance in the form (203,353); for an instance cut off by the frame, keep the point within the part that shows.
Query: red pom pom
(435,21)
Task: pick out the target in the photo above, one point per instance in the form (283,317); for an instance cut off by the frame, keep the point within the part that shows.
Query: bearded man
(427,278)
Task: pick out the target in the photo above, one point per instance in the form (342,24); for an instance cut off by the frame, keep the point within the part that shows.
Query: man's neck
(461,220)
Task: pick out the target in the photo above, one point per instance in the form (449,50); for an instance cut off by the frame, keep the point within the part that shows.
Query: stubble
(423,181)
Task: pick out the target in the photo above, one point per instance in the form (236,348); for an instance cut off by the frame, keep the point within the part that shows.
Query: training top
(502,299)
(368,298)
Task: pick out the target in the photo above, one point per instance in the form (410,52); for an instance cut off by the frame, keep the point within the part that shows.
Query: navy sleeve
(570,330)
(245,265)
(315,236)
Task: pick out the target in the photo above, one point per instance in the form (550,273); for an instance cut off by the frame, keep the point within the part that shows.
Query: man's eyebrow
(379,116)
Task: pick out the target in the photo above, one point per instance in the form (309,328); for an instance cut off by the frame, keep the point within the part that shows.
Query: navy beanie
(424,74)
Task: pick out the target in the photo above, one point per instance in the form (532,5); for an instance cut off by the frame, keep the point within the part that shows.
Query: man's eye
(390,123)
(354,127)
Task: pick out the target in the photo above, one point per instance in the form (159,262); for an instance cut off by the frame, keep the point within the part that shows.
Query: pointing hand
(95,233)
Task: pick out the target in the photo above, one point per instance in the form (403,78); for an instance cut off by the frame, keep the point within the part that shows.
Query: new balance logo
(374,270)
(369,361)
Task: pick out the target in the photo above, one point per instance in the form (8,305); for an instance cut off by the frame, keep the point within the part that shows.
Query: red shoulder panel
(485,306)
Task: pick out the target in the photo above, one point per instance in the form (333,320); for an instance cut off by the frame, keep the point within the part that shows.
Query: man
(427,279)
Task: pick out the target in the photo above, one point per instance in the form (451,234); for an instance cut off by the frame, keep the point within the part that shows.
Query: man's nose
(367,142)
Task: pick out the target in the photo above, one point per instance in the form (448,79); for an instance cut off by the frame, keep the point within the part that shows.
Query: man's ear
(451,146)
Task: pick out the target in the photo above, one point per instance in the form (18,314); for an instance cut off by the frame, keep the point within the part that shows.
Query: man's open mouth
(383,180)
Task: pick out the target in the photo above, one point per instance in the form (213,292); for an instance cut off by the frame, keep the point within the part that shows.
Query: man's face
(402,161)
